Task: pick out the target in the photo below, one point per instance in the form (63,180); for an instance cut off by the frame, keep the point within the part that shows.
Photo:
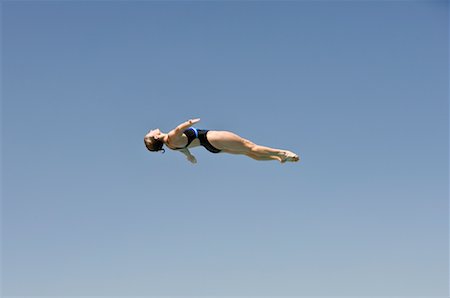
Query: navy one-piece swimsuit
(193,133)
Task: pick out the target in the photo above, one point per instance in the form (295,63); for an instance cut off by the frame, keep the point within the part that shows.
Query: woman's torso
(193,137)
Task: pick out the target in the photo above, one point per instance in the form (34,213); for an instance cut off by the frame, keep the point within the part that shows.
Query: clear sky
(358,89)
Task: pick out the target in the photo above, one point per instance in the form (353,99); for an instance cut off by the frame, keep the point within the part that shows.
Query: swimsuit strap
(195,131)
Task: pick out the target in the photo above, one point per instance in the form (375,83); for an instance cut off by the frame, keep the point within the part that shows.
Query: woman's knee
(251,147)
(255,149)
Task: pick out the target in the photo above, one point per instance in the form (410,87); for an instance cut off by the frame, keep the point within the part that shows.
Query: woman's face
(154,133)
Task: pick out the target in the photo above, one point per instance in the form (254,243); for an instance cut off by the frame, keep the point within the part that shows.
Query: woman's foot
(289,156)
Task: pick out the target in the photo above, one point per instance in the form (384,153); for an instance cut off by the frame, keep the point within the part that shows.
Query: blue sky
(358,89)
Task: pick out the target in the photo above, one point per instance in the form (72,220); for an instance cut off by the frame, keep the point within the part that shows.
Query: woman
(184,137)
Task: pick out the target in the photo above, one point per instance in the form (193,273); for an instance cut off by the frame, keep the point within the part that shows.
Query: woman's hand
(192,159)
(193,121)
(188,155)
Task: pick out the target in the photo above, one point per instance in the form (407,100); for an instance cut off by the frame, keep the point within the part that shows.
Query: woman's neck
(164,137)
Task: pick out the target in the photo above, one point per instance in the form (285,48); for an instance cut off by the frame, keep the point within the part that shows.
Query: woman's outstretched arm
(188,155)
(178,131)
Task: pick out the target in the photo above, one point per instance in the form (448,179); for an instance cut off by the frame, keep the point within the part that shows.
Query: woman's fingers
(192,159)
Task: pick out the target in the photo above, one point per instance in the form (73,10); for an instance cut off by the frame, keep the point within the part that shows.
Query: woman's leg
(232,143)
(260,157)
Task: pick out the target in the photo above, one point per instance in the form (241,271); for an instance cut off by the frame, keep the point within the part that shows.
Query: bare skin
(226,141)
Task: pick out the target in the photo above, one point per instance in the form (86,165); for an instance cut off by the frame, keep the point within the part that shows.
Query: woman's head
(153,142)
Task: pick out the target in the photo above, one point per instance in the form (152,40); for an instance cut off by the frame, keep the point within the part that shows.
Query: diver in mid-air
(184,137)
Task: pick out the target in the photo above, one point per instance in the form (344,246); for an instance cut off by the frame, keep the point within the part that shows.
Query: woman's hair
(154,145)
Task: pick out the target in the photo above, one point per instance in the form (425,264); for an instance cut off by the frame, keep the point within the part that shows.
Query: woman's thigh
(229,142)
